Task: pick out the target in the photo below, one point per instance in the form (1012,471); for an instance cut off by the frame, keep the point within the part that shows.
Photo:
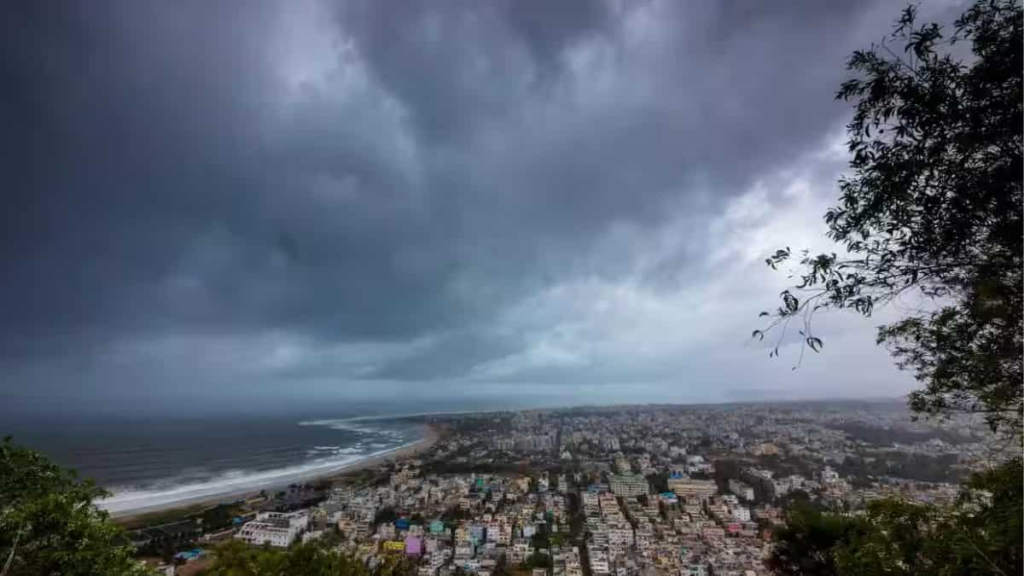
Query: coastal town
(623,491)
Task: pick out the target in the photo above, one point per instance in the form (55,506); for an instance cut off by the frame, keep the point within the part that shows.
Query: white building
(274,528)
(628,485)
(741,489)
(563,484)
(599,562)
(828,475)
(740,513)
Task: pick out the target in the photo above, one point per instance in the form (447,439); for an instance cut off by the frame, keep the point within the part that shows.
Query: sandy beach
(431,435)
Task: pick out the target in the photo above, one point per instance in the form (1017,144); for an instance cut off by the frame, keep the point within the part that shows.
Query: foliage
(385,515)
(909,466)
(236,558)
(453,515)
(501,566)
(317,558)
(49,521)
(933,208)
(993,521)
(981,534)
(658,482)
(537,560)
(395,566)
(889,436)
(797,498)
(805,545)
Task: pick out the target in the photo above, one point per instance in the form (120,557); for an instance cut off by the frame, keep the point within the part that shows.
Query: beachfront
(126,505)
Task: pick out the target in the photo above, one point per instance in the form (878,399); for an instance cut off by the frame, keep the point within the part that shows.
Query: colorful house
(436,527)
(394,546)
(413,546)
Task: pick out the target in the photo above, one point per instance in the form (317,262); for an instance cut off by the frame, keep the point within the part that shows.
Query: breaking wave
(234,482)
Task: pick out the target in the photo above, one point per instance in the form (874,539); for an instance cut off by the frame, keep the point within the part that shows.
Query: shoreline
(132,515)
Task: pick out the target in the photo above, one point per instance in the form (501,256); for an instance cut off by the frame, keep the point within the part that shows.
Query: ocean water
(151,460)
(159,462)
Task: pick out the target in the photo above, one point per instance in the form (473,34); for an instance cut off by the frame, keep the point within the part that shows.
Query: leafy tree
(806,544)
(49,524)
(385,516)
(537,560)
(981,534)
(398,565)
(989,519)
(235,558)
(319,558)
(501,566)
(898,538)
(658,482)
(933,207)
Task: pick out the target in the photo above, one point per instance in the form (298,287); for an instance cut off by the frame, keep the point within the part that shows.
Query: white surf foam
(234,482)
(341,424)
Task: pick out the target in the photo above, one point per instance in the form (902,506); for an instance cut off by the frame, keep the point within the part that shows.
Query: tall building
(764,485)
(622,465)
(628,485)
(741,489)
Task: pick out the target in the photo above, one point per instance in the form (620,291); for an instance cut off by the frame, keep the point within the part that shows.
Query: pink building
(413,546)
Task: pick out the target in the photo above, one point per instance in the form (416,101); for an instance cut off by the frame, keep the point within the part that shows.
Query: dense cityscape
(624,491)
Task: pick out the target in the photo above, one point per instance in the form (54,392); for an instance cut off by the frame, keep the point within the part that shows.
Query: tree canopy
(236,558)
(49,523)
(932,207)
(980,534)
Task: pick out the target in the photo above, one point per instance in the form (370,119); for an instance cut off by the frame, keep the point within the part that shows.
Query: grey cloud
(452,356)
(444,163)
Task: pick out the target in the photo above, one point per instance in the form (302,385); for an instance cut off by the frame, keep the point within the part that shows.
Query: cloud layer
(342,199)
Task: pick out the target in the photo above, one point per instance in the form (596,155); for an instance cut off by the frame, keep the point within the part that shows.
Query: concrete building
(628,485)
(765,449)
(828,475)
(690,488)
(741,489)
(274,528)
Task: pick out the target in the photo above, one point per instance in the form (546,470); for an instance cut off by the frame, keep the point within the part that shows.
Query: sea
(151,461)
(166,461)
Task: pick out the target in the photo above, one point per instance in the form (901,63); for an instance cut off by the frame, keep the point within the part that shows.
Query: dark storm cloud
(145,196)
(190,169)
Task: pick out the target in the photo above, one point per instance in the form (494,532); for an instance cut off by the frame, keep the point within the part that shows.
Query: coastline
(133,515)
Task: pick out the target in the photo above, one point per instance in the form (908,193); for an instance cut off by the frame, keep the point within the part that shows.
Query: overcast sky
(241,202)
